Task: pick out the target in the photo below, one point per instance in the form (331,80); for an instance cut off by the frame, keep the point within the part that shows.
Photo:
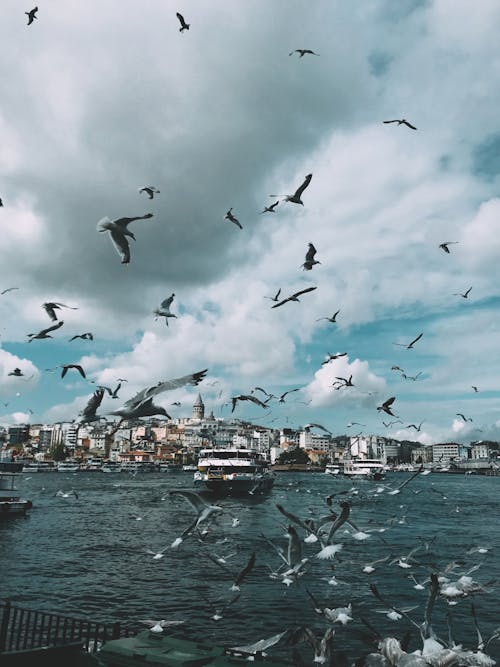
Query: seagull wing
(304,291)
(415,340)
(166,303)
(246,570)
(193,378)
(412,127)
(197,503)
(260,645)
(89,411)
(304,185)
(388,402)
(310,253)
(49,309)
(280,303)
(121,244)
(294,553)
(52,328)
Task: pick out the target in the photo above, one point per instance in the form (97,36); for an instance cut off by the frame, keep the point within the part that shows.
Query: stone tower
(198,408)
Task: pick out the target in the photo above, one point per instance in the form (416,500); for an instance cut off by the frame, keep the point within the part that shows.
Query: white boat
(364,468)
(189,467)
(68,466)
(233,471)
(332,469)
(10,502)
(111,466)
(39,466)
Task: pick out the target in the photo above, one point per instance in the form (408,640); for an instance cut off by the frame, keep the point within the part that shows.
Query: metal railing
(26,629)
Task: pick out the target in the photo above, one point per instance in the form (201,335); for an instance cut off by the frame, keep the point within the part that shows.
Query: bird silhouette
(303,52)
(296,197)
(119,231)
(229,216)
(465,295)
(51,306)
(275,297)
(246,397)
(150,190)
(270,209)
(32,15)
(402,121)
(444,246)
(332,319)
(164,309)
(184,25)
(77,367)
(294,297)
(44,333)
(386,406)
(410,344)
(309,260)
(84,336)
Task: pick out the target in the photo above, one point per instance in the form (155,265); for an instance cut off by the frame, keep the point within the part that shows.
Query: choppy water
(87,556)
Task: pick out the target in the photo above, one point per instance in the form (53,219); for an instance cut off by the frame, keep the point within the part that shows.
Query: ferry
(364,469)
(111,466)
(10,503)
(39,466)
(233,471)
(68,466)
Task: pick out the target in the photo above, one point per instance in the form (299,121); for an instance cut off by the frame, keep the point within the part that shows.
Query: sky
(99,100)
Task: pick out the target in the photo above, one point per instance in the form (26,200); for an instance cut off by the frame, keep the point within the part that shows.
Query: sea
(92,555)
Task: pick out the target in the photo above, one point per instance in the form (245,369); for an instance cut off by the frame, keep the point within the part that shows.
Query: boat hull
(237,487)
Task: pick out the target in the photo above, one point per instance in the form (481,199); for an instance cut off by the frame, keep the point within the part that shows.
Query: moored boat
(233,471)
(10,502)
(68,466)
(364,468)
(332,469)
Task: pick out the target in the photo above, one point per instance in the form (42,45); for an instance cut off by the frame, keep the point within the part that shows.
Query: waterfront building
(484,449)
(18,434)
(449,451)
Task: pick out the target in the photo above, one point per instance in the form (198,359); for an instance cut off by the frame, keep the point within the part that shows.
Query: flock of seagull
(325,529)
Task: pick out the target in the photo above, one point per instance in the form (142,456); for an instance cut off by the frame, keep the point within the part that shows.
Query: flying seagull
(229,216)
(332,319)
(475,388)
(88,413)
(465,295)
(444,246)
(150,190)
(417,428)
(17,372)
(44,333)
(411,344)
(119,231)
(270,209)
(141,405)
(310,261)
(308,427)
(50,308)
(275,297)
(302,52)
(84,336)
(294,297)
(77,367)
(237,576)
(32,15)
(403,121)
(112,392)
(157,626)
(246,397)
(296,197)
(332,357)
(466,419)
(386,406)
(9,289)
(281,399)
(164,309)
(184,25)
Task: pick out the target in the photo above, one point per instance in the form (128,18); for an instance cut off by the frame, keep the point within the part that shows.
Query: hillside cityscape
(178,441)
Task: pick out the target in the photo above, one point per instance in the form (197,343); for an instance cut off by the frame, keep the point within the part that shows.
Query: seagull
(270,209)
(164,309)
(184,25)
(444,246)
(332,357)
(475,388)
(75,366)
(260,645)
(302,52)
(465,295)
(292,559)
(17,372)
(203,510)
(411,344)
(84,336)
(32,15)
(88,414)
(245,397)
(50,308)
(150,190)
(229,216)
(294,297)
(238,577)
(386,406)
(219,607)
(44,333)
(417,428)
(411,377)
(157,626)
(296,197)
(333,318)
(275,297)
(141,405)
(113,393)
(119,231)
(343,382)
(157,555)
(66,494)
(466,419)
(388,424)
(403,121)
(281,399)
(9,289)
(355,424)
(368,568)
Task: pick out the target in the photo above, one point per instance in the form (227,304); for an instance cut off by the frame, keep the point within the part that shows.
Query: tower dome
(198,408)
